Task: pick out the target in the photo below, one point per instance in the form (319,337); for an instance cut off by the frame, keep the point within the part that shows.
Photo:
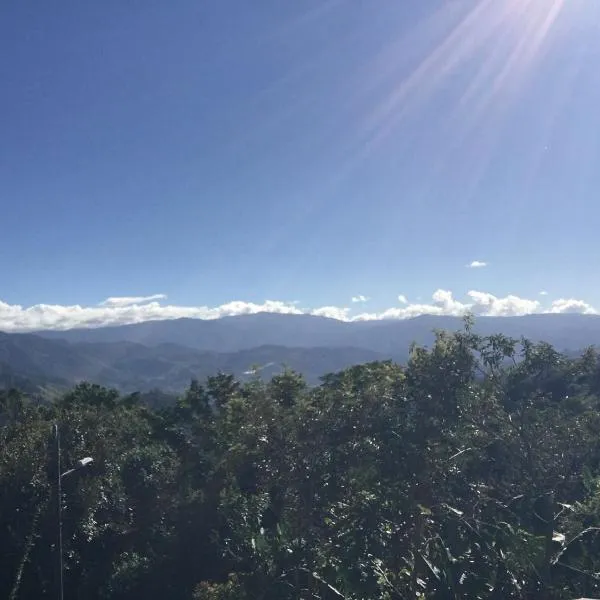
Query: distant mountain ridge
(231,334)
(132,367)
(228,334)
(168,354)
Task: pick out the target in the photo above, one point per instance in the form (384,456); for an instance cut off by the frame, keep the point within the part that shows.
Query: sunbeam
(505,38)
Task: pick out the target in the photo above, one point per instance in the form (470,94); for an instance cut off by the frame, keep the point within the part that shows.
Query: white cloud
(563,306)
(331,312)
(477,264)
(360,299)
(510,306)
(129,300)
(46,316)
(402,299)
(543,293)
(121,311)
(444,303)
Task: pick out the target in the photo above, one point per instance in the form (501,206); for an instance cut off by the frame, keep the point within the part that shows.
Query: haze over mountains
(231,334)
(168,354)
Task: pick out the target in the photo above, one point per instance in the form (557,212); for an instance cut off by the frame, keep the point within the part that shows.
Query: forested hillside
(130,367)
(471,472)
(168,354)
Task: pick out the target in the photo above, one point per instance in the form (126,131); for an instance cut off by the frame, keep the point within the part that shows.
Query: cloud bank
(137,309)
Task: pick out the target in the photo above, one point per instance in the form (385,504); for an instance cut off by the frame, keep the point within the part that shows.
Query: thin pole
(59,514)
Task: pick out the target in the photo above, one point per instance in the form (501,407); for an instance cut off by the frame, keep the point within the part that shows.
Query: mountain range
(168,354)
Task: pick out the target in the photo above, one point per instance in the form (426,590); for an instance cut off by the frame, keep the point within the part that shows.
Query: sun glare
(501,40)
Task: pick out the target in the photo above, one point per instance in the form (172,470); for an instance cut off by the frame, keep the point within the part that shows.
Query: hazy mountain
(168,354)
(231,334)
(228,334)
(131,367)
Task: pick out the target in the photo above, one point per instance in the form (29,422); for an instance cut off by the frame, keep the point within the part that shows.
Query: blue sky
(306,152)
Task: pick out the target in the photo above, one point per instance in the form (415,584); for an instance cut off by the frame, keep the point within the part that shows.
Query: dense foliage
(471,472)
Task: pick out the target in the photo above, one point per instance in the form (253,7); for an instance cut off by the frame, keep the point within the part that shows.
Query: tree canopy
(471,472)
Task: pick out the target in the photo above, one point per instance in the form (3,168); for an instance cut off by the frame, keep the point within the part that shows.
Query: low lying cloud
(360,299)
(477,264)
(563,306)
(60,317)
(129,300)
(137,309)
(331,312)
(490,305)
(479,303)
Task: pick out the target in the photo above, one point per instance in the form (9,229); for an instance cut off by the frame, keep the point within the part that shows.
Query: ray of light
(498,40)
(308,16)
(420,82)
(532,29)
(505,36)
(485,107)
